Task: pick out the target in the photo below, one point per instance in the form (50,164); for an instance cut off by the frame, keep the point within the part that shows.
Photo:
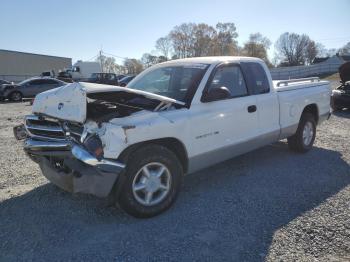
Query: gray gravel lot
(270,204)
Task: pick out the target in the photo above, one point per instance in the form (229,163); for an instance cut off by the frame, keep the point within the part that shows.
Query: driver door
(224,128)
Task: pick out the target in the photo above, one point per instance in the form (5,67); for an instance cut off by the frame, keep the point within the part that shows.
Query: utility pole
(101,64)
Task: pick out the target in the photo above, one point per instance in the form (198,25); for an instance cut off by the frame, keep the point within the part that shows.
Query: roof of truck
(214,59)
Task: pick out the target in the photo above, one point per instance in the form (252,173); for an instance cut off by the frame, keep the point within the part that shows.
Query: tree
(311,52)
(321,50)
(257,46)
(162,59)
(190,39)
(331,52)
(164,46)
(149,60)
(291,48)
(225,41)
(108,64)
(204,40)
(182,39)
(133,66)
(345,50)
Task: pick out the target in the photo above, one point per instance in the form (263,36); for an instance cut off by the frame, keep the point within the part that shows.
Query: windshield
(24,82)
(94,75)
(177,82)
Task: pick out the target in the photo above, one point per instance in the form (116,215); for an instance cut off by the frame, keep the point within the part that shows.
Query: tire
(16,96)
(134,197)
(302,142)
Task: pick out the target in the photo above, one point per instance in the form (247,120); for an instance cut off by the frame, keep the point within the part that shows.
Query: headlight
(93,144)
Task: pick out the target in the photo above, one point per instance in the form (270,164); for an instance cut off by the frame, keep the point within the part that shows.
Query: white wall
(16,66)
(329,66)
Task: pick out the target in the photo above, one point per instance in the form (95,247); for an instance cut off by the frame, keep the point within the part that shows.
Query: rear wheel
(304,137)
(153,179)
(16,96)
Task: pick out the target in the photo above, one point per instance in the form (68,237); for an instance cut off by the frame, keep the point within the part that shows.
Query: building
(17,66)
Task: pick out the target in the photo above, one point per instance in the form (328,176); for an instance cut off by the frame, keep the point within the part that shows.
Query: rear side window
(111,77)
(51,82)
(256,78)
(36,82)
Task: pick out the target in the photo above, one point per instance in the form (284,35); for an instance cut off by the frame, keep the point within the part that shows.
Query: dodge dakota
(175,118)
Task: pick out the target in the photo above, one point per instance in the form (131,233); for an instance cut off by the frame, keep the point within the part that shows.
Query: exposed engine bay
(102,107)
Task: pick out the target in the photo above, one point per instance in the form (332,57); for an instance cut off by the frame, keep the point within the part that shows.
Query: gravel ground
(270,204)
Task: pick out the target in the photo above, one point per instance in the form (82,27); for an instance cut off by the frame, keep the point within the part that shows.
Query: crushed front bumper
(71,167)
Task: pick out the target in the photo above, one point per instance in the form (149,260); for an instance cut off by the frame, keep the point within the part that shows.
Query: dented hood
(69,102)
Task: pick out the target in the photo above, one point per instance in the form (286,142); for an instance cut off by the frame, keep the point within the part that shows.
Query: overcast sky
(79,29)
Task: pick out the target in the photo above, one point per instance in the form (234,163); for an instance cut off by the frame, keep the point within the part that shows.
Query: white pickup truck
(175,118)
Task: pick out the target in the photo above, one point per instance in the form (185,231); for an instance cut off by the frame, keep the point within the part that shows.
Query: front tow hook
(20,132)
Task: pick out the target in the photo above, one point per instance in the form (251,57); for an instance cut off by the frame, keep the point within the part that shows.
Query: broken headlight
(93,144)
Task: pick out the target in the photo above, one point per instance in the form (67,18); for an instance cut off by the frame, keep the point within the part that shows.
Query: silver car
(28,88)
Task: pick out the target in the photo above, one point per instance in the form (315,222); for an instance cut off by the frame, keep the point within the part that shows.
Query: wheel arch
(173,144)
(14,91)
(312,109)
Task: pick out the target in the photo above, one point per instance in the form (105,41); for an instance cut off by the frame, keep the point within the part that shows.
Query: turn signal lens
(94,145)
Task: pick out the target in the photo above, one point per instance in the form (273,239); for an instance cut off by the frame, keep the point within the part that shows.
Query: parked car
(120,77)
(135,143)
(65,76)
(125,80)
(4,82)
(29,88)
(341,95)
(104,78)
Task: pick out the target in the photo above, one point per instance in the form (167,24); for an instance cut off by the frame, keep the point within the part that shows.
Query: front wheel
(153,180)
(304,137)
(16,96)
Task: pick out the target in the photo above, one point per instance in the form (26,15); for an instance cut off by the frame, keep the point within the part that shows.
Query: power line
(93,58)
(117,56)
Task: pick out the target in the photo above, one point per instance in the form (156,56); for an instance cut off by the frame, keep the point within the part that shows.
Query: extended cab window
(231,77)
(256,78)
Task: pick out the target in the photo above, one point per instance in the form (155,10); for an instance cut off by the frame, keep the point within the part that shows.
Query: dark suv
(104,78)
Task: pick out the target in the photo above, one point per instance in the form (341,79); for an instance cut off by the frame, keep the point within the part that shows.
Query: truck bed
(294,95)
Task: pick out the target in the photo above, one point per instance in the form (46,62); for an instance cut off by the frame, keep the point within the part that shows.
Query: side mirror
(216,93)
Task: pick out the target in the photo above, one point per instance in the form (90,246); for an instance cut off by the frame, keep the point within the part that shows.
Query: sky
(79,29)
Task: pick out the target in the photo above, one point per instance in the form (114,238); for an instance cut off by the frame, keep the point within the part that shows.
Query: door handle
(251,108)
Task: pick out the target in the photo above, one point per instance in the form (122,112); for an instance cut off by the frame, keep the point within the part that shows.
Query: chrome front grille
(75,130)
(51,129)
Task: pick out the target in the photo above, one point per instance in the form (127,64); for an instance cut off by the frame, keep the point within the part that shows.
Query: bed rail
(286,82)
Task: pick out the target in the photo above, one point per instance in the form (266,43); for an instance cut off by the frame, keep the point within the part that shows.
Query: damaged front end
(77,132)
(64,160)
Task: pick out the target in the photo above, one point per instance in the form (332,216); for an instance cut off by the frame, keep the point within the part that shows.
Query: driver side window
(231,77)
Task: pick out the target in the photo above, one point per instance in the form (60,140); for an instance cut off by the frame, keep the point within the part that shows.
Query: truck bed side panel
(293,102)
